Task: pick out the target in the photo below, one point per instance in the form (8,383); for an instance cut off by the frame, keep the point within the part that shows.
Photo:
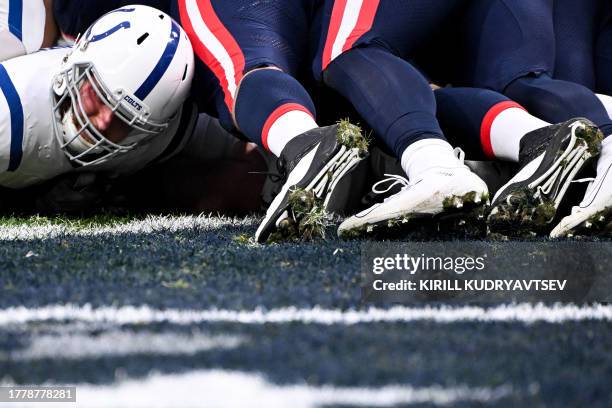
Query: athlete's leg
(593,214)
(248,69)
(363,55)
(486,124)
(251,54)
(510,48)
(400,107)
(549,156)
(272,108)
(557,101)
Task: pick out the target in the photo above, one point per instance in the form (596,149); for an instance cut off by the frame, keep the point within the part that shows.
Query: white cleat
(438,191)
(594,214)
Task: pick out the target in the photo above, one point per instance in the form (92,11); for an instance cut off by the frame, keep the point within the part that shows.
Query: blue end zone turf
(189,304)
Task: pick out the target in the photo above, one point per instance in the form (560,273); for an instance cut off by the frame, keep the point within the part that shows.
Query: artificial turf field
(184,311)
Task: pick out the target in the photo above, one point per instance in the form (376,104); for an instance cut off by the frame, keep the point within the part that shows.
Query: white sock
(507,129)
(426,154)
(607,102)
(278,131)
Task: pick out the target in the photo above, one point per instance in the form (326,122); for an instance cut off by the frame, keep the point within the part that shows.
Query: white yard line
(219,388)
(46,230)
(522,313)
(70,346)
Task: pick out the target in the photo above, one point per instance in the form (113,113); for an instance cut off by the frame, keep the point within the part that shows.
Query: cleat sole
(466,221)
(598,225)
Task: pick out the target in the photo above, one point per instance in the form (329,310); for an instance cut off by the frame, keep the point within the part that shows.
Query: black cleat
(314,163)
(550,158)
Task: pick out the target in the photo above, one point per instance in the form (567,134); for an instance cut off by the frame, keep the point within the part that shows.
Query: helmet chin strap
(69,130)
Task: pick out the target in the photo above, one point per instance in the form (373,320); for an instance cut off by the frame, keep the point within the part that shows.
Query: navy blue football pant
(363,54)
(466,116)
(389,94)
(583,32)
(509,47)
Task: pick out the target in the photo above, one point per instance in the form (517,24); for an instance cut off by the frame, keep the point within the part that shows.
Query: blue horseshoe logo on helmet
(98,37)
(125,24)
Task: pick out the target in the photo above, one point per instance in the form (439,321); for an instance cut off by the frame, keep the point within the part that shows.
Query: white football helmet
(140,63)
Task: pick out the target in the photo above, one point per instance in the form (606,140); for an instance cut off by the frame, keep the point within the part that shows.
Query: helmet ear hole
(161,16)
(142,38)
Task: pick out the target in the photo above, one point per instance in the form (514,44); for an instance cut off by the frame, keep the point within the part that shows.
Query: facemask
(80,144)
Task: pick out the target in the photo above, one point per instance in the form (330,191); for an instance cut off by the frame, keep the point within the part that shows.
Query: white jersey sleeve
(29,150)
(30,153)
(22,27)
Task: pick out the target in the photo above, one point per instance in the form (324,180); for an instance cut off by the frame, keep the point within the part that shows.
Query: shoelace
(460,154)
(394,179)
(278,175)
(584,180)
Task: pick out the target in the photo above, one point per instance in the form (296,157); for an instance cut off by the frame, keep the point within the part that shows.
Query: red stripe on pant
(364,23)
(222,34)
(365,20)
(333,30)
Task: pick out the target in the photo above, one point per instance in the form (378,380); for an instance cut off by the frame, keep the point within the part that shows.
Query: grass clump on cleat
(311,218)
(593,137)
(356,232)
(313,224)
(302,202)
(550,159)
(306,219)
(465,215)
(522,217)
(470,199)
(352,137)
(599,224)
